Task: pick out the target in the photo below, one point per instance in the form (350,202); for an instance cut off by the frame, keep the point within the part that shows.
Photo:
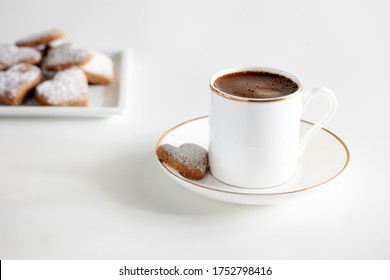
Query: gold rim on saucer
(240,193)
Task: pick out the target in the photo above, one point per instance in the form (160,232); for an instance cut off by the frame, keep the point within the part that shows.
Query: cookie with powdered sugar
(99,69)
(68,88)
(65,56)
(17,81)
(11,55)
(56,43)
(42,38)
(190,160)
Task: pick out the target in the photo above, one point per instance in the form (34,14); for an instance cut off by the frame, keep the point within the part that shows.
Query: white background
(92,189)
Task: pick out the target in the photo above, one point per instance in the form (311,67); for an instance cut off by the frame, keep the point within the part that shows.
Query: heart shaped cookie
(11,55)
(67,88)
(66,56)
(190,160)
(99,69)
(42,38)
(17,81)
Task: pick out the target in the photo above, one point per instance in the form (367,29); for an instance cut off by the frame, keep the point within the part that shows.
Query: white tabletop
(92,189)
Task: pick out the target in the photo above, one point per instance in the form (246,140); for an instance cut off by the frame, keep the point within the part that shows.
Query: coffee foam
(255,84)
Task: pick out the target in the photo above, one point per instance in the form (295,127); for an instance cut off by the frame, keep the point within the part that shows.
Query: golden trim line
(261,194)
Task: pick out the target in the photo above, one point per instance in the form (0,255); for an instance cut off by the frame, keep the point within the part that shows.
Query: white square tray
(104,100)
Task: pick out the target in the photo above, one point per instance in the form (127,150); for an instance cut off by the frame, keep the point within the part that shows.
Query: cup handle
(307,96)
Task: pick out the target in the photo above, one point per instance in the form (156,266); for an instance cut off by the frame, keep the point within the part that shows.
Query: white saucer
(324,158)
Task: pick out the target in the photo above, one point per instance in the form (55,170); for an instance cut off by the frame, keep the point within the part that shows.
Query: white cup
(254,142)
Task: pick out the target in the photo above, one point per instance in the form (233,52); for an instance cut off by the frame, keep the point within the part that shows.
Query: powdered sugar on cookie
(17,81)
(189,154)
(65,56)
(56,43)
(99,69)
(11,55)
(190,160)
(68,87)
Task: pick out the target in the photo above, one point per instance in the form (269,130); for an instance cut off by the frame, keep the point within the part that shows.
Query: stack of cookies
(58,73)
